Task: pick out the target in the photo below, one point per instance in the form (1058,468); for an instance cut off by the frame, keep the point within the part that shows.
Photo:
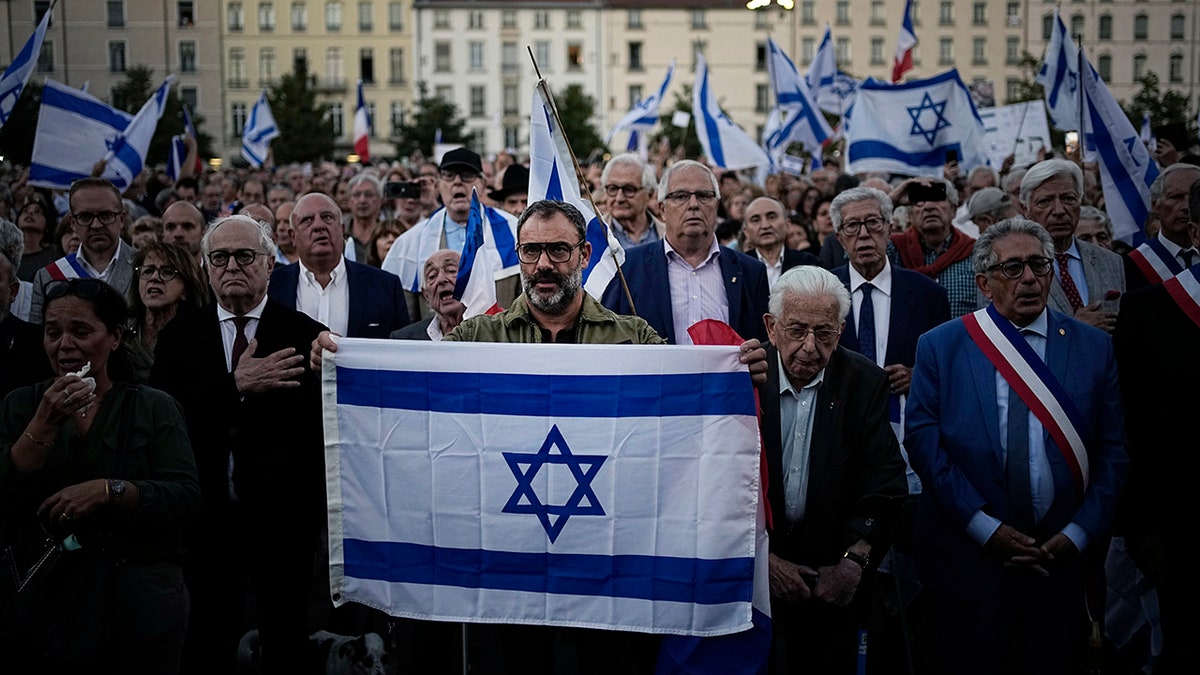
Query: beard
(568,287)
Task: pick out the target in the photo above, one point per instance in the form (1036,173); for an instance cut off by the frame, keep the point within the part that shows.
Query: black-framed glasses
(85,218)
(628,190)
(165,272)
(556,251)
(466,175)
(682,197)
(823,336)
(874,225)
(1013,269)
(80,288)
(243,256)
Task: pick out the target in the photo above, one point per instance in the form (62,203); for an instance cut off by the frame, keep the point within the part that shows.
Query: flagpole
(1079,64)
(586,189)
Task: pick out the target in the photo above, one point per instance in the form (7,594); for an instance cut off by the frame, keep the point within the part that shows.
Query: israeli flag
(725,144)
(179,147)
(552,176)
(16,75)
(831,89)
(75,130)
(601,486)
(1059,77)
(258,132)
(908,128)
(644,115)
(800,120)
(1126,168)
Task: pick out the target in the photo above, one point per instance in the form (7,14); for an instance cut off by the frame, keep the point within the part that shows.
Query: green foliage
(305,129)
(430,113)
(575,111)
(132,92)
(1027,88)
(1164,107)
(677,137)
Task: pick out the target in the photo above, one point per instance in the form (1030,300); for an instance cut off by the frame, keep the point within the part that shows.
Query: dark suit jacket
(793,257)
(413,331)
(856,482)
(918,304)
(22,355)
(377,304)
(645,271)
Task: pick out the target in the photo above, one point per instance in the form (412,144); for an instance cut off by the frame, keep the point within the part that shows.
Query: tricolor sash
(1031,379)
(1184,288)
(1155,261)
(67,267)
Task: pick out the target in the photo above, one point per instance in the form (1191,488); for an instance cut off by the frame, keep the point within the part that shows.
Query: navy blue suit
(645,271)
(377,304)
(918,304)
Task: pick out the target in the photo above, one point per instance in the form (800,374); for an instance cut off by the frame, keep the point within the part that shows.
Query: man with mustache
(932,245)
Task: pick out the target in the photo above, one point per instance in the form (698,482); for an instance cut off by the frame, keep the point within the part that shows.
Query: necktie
(866,323)
(239,341)
(1020,493)
(1187,256)
(1068,284)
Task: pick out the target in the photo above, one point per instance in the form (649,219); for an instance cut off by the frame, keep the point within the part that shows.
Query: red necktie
(239,341)
(1068,284)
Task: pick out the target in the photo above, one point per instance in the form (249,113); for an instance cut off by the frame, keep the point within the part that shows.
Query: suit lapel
(983,378)
(355,319)
(659,302)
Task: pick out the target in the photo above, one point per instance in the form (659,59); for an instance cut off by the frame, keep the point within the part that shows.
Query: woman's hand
(74,502)
(68,395)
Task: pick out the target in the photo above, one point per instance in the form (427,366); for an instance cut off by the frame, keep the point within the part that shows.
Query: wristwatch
(860,560)
(116,488)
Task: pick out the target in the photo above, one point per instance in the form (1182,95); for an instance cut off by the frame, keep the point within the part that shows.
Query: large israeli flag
(908,128)
(1059,77)
(644,115)
(552,176)
(725,144)
(259,131)
(16,75)
(799,119)
(601,486)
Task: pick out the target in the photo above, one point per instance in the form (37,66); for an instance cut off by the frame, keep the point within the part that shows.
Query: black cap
(462,158)
(1176,133)
(516,180)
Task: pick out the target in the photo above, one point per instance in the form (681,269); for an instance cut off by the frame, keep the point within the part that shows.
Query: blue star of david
(1072,81)
(524,498)
(939,121)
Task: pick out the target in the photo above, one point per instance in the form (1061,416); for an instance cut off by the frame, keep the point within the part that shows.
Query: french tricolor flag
(904,45)
(476,284)
(362,128)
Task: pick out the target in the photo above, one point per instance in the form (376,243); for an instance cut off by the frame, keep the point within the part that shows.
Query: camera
(918,192)
(401,190)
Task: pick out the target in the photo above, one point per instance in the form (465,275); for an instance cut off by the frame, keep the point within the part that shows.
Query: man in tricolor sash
(1015,428)
(1171,251)
(98,218)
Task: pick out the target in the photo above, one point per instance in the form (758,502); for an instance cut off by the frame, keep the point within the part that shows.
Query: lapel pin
(733,280)
(1062,331)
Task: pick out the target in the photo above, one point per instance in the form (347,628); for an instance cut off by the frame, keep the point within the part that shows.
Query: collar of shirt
(256,313)
(1172,248)
(882,281)
(785,385)
(1039,327)
(434,330)
(82,260)
(336,277)
(1073,250)
(714,250)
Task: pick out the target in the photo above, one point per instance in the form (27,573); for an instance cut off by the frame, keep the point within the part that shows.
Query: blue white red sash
(1155,261)
(1184,288)
(1031,379)
(67,267)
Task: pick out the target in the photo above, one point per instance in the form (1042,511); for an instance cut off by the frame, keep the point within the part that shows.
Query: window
(366,19)
(1140,27)
(841,49)
(1139,67)
(1077,24)
(1047,26)
(1012,51)
(979,14)
(509,60)
(877,51)
(508,19)
(541,19)
(371,118)
(395,16)
(1105,30)
(45,62)
(979,51)
(335,67)
(444,92)
(946,13)
(40,7)
(574,56)
(116,56)
(541,54)
(633,18)
(187,56)
(843,12)
(512,136)
(337,115)
(1104,67)
(699,20)
(762,21)
(299,59)
(441,18)
(1176,26)
(635,95)
(186,9)
(237,68)
(396,74)
(299,17)
(762,98)
(397,117)
(945,51)
(808,47)
(475,52)
(808,16)
(235,17)
(916,13)
(116,13)
(333,16)
(478,109)
(574,18)
(760,56)
(878,16)
(366,65)
(190,97)
(475,20)
(237,117)
(1012,88)
(266,66)
(635,56)
(511,97)
(478,141)
(266,16)
(1175,69)
(698,47)
(441,57)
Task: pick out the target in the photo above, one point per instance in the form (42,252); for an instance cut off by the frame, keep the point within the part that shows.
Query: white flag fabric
(832,89)
(1126,168)
(475,286)
(725,144)
(644,114)
(552,176)
(601,486)
(1059,77)
(258,132)
(908,128)
(16,75)
(75,130)
(800,120)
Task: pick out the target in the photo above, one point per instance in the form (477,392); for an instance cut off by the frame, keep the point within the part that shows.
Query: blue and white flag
(75,130)
(831,89)
(1059,77)
(644,115)
(1126,168)
(475,286)
(601,486)
(258,132)
(552,176)
(800,120)
(179,147)
(725,144)
(16,75)
(908,128)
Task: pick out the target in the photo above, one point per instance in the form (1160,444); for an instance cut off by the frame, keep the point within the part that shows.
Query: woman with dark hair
(169,282)
(68,240)
(100,474)
(37,220)
(381,241)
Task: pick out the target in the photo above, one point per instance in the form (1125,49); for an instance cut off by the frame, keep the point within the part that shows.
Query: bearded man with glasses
(628,182)
(98,218)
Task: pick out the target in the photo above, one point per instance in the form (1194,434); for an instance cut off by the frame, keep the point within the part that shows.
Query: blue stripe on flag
(710,123)
(41,173)
(597,236)
(502,235)
(85,108)
(539,395)
(706,582)
(879,150)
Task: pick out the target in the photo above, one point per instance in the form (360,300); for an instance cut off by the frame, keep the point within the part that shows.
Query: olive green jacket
(596,325)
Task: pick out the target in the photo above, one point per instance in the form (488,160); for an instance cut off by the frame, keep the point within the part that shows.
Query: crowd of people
(961,379)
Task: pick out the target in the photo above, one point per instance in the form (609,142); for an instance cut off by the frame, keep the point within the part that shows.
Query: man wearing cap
(513,195)
(989,205)
(460,172)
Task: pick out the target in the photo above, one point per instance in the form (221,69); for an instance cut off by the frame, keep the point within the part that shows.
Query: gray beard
(562,298)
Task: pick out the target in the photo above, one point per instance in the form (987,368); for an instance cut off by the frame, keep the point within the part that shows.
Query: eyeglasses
(165,272)
(85,218)
(628,190)
(556,251)
(874,226)
(1013,269)
(823,336)
(681,197)
(80,288)
(243,256)
(466,175)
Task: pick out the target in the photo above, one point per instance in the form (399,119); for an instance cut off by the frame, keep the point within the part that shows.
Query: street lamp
(759,4)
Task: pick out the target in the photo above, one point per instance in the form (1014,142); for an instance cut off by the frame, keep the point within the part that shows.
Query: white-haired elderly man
(1170,252)
(628,183)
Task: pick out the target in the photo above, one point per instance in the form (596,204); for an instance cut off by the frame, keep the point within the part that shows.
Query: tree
(684,138)
(16,137)
(132,92)
(1164,107)
(575,112)
(305,128)
(430,115)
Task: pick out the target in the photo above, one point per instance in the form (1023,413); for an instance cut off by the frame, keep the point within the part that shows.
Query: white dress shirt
(329,305)
(881,300)
(697,293)
(229,328)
